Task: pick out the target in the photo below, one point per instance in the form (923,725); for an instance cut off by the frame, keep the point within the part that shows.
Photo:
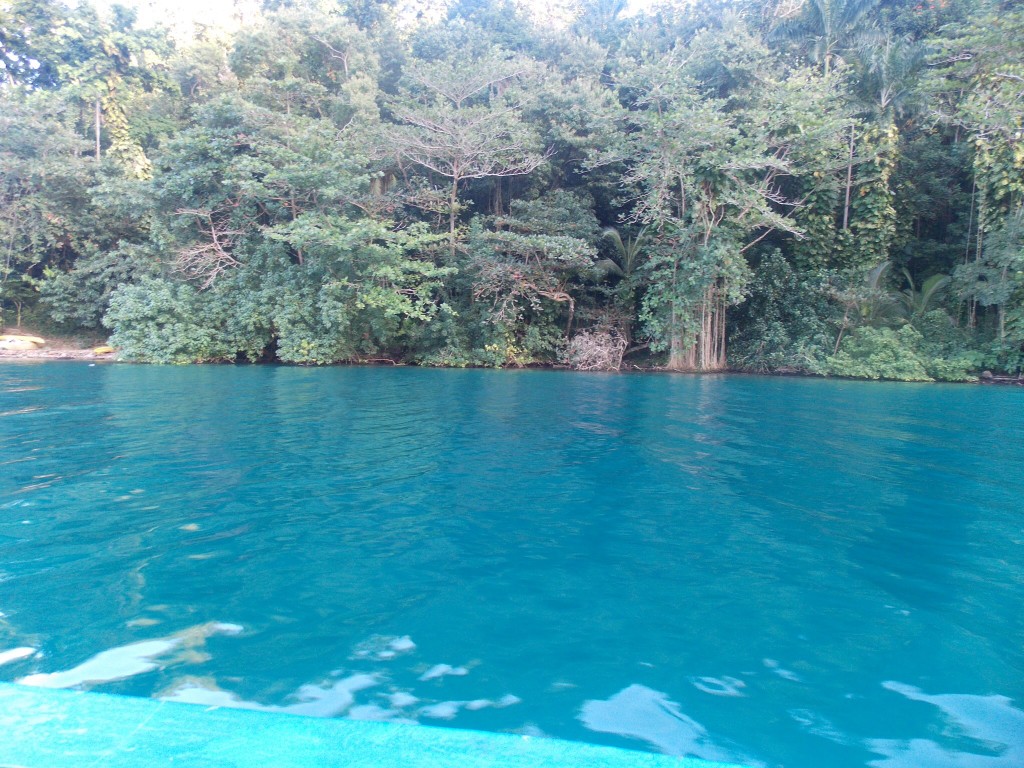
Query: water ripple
(743,559)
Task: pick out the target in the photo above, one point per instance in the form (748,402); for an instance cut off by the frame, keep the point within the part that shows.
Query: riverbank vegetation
(827,186)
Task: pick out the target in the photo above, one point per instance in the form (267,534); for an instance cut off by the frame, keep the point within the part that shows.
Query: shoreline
(73,353)
(53,354)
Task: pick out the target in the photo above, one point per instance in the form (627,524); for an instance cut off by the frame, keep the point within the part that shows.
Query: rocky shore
(51,348)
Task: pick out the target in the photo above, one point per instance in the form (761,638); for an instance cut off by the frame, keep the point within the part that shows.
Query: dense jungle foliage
(828,186)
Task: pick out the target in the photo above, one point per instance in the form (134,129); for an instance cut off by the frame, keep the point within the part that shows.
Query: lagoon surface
(776,572)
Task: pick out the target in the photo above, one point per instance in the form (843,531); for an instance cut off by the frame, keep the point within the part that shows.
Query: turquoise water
(776,572)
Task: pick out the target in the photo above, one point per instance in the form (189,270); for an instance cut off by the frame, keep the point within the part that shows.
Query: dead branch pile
(596,350)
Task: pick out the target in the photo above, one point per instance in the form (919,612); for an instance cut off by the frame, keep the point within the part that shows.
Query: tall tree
(462,119)
(713,138)
(826,30)
(983,86)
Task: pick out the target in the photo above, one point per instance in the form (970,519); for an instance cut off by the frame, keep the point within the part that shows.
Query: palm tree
(825,29)
(627,252)
(623,263)
(868,303)
(916,302)
(890,67)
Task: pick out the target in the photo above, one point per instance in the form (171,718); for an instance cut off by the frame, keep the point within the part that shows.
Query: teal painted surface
(51,729)
(759,571)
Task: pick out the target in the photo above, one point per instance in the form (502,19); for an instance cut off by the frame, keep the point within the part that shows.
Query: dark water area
(777,572)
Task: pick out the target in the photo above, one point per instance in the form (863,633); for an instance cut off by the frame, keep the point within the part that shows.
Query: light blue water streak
(785,572)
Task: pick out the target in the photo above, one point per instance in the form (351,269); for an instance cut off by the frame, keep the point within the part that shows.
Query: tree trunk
(498,202)
(680,358)
(97,130)
(706,353)
(972,319)
(849,183)
(1001,310)
(453,201)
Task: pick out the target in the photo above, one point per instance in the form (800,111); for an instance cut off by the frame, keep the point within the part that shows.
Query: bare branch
(1008,76)
(207,259)
(341,56)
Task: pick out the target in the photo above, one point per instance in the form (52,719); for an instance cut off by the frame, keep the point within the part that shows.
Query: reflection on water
(726,686)
(332,698)
(134,659)
(16,654)
(442,670)
(382,648)
(992,728)
(785,674)
(338,696)
(328,700)
(744,560)
(446,710)
(642,713)
(819,725)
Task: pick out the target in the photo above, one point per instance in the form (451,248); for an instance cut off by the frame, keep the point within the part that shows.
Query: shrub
(159,321)
(946,350)
(785,321)
(879,353)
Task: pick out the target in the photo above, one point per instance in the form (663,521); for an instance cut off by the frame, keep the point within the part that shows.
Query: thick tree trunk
(679,355)
(498,202)
(706,353)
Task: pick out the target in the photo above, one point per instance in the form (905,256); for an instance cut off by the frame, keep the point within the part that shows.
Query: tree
(918,301)
(262,205)
(29,34)
(825,30)
(46,215)
(624,263)
(345,181)
(982,93)
(708,161)
(530,258)
(462,119)
(602,20)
